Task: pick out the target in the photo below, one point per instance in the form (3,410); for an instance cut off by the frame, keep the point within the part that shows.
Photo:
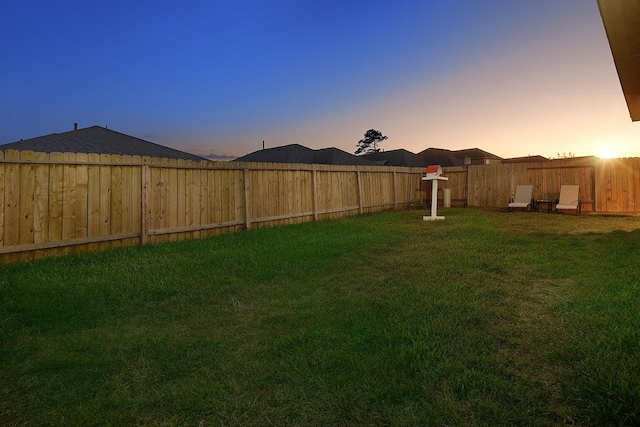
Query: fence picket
(105,199)
(56,193)
(93,199)
(82,194)
(26,198)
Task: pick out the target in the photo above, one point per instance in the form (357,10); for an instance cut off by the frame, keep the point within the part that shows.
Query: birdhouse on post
(434,174)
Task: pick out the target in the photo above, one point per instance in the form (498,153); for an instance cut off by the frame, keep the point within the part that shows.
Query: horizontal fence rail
(65,202)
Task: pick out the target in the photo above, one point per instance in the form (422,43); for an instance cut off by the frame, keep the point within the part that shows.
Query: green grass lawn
(485,318)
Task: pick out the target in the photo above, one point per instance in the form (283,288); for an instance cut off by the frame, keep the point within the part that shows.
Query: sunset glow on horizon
(607,153)
(514,78)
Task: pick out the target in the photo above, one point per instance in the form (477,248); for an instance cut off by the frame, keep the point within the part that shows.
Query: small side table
(548,202)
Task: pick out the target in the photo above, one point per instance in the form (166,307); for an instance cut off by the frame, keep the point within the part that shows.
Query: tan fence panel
(203,196)
(633,169)
(105,199)
(136,194)
(548,179)
(304,193)
(170,201)
(12,202)
(26,199)
(93,199)
(239,209)
(82,196)
(618,185)
(323,191)
(116,202)
(181,201)
(493,185)
(56,193)
(189,201)
(457,183)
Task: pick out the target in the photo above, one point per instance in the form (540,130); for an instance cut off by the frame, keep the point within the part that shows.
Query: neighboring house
(438,156)
(527,159)
(296,153)
(96,139)
(433,156)
(400,157)
(470,156)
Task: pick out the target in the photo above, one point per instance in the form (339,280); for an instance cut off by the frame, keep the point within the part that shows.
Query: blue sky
(513,77)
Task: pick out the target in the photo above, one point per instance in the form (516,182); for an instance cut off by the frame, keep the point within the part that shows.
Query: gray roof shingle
(399,157)
(96,139)
(444,157)
(296,153)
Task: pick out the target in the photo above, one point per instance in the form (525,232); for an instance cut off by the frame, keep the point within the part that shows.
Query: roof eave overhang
(621,19)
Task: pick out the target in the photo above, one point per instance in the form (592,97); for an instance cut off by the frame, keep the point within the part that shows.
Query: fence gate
(547,180)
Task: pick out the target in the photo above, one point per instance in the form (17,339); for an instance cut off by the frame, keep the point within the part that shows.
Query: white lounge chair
(522,198)
(569,198)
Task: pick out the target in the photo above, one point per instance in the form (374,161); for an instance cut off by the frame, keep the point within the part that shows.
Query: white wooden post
(434,175)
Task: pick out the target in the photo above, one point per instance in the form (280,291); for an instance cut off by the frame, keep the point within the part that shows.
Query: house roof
(525,159)
(400,157)
(475,153)
(296,153)
(96,139)
(444,157)
(335,156)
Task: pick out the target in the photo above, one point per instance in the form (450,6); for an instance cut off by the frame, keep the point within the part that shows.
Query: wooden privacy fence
(65,202)
(606,185)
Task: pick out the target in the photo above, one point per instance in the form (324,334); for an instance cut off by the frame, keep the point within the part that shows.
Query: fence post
(314,192)
(144,205)
(395,191)
(247,199)
(465,193)
(360,209)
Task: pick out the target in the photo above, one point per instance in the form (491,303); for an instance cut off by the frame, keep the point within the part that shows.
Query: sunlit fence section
(606,185)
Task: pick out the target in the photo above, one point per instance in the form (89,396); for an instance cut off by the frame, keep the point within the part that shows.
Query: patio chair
(522,198)
(569,198)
